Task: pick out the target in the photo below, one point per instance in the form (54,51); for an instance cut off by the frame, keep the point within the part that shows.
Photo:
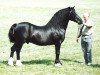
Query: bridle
(71,11)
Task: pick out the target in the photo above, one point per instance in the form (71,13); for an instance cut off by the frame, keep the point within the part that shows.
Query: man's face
(86,17)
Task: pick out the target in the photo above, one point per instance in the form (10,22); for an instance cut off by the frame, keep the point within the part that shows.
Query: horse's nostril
(78,21)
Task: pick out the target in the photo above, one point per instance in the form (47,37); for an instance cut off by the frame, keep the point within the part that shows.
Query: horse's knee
(13,49)
(57,52)
(16,47)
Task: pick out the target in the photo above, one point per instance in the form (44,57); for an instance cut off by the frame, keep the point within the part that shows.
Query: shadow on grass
(93,65)
(49,62)
(68,60)
(4,62)
(44,61)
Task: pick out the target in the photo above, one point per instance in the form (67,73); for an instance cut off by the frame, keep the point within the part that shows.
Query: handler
(86,38)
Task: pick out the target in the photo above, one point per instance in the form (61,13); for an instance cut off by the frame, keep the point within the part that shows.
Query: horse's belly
(41,41)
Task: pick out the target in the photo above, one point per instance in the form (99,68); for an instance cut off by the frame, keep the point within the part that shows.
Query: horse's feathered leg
(57,51)
(18,49)
(10,61)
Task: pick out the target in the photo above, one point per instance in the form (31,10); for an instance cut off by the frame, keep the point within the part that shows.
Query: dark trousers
(86,44)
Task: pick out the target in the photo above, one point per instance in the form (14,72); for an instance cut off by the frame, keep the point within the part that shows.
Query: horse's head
(73,16)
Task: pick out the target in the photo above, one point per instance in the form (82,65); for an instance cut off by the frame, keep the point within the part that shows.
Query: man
(86,38)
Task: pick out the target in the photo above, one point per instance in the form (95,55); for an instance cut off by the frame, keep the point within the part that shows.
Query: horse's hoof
(10,62)
(18,63)
(58,64)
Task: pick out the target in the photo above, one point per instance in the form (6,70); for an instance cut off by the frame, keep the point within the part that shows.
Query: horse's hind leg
(16,47)
(19,46)
(10,61)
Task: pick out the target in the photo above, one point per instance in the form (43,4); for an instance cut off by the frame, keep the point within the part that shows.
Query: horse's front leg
(57,51)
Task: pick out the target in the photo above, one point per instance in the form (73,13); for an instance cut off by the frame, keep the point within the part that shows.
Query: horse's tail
(11,33)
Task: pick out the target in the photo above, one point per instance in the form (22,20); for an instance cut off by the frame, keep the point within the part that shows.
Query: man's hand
(77,40)
(87,25)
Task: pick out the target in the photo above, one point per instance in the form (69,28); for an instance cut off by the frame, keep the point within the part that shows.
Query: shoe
(89,64)
(84,63)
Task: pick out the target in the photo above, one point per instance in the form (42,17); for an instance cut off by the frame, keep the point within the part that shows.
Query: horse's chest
(58,36)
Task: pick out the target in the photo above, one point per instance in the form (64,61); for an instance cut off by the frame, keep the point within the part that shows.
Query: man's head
(86,16)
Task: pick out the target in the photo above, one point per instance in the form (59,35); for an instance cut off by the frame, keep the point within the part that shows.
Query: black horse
(53,33)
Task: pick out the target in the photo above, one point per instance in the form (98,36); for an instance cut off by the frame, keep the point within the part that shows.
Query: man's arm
(79,32)
(87,25)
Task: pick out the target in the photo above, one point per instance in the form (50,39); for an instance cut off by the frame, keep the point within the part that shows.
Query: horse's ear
(69,8)
(73,7)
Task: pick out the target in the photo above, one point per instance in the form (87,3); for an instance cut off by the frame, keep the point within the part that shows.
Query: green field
(39,60)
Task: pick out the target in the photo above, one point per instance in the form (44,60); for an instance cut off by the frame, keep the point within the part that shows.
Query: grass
(39,60)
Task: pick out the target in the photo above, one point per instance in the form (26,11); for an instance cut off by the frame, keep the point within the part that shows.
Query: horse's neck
(59,20)
(65,25)
(56,23)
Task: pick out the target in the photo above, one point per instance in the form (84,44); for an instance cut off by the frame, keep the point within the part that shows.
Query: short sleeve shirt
(87,30)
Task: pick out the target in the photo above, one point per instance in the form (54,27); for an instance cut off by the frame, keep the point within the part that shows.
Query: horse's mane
(56,20)
(58,16)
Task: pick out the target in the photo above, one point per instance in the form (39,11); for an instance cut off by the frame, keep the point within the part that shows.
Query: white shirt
(88,27)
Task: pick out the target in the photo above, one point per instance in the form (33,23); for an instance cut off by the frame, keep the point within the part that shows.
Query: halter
(70,13)
(74,14)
